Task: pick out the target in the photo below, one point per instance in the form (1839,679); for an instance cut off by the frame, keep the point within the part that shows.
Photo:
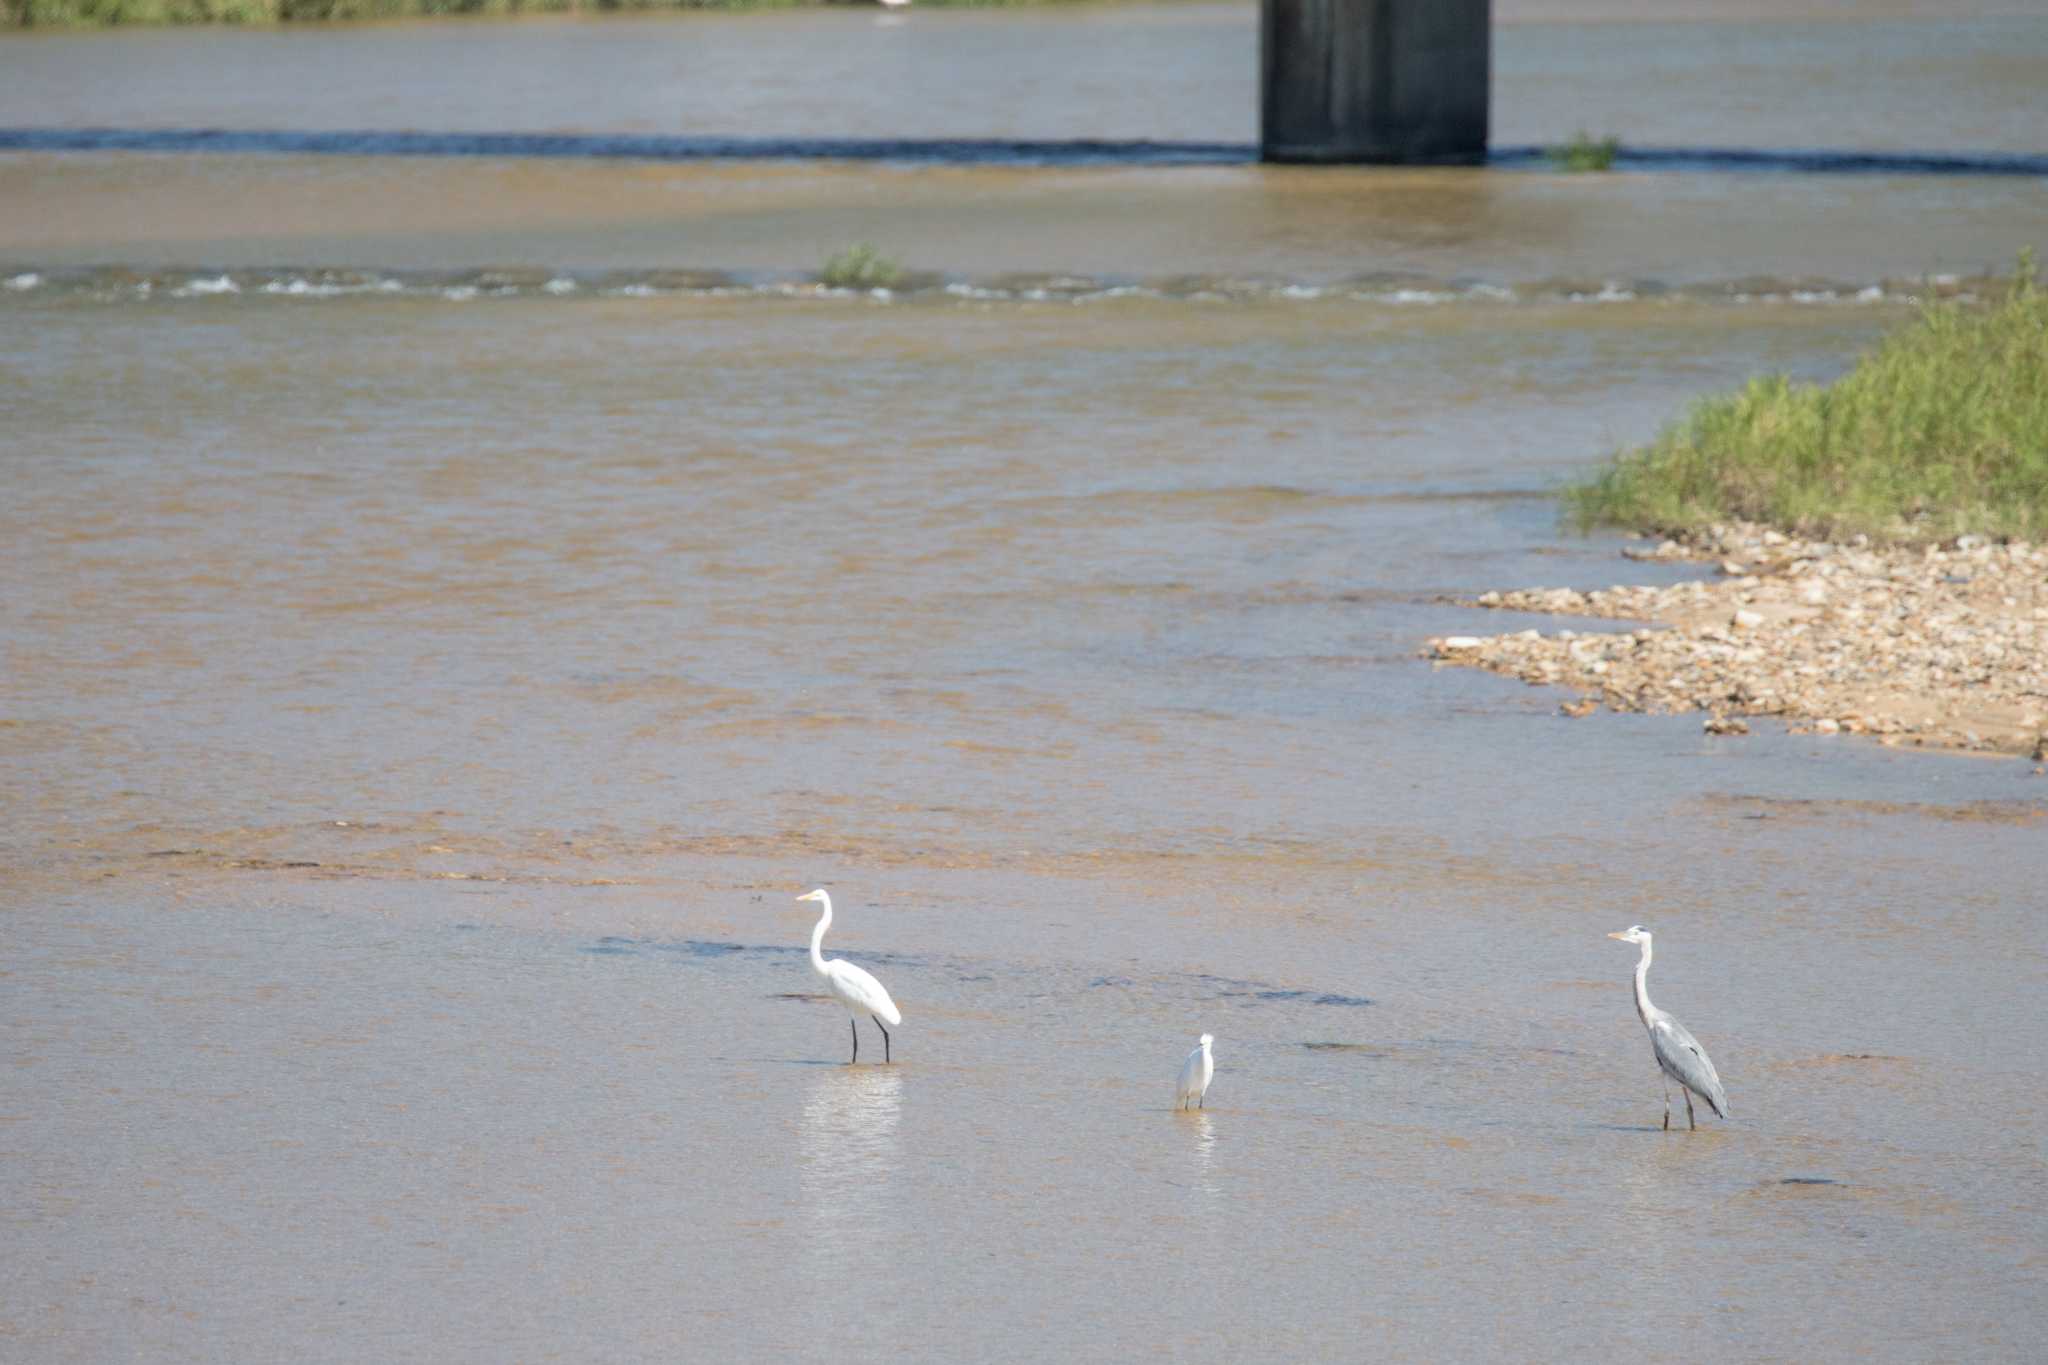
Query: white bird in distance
(851,986)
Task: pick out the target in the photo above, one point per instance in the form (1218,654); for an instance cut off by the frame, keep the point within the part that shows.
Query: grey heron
(1679,1054)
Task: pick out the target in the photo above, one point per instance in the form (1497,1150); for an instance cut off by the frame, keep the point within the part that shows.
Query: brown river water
(453,605)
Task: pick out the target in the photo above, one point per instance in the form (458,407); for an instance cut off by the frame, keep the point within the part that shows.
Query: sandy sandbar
(1943,646)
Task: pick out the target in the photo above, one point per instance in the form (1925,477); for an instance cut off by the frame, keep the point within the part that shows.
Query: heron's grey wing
(1685,1061)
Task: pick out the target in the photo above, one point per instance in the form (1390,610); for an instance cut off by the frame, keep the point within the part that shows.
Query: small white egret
(1679,1054)
(1196,1073)
(850,985)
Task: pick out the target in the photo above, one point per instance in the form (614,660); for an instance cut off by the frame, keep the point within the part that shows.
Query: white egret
(1196,1073)
(850,985)
(1679,1054)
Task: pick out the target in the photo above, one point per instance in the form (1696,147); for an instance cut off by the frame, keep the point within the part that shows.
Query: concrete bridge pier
(1374,80)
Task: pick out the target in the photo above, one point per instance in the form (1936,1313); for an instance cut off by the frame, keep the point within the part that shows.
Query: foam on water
(114,283)
(202,285)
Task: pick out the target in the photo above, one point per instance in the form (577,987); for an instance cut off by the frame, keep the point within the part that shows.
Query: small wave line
(964,151)
(1798,161)
(635,147)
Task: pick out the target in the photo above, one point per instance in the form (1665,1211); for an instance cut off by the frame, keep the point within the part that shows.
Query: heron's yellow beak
(1619,936)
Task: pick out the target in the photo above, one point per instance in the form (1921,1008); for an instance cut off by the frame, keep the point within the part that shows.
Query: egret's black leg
(1667,1106)
(854,1024)
(1202,1100)
(885,1040)
(1688,1111)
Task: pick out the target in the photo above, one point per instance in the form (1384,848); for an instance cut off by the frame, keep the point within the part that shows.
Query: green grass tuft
(1586,153)
(860,266)
(1939,431)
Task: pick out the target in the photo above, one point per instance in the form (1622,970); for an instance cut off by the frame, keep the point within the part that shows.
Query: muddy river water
(453,605)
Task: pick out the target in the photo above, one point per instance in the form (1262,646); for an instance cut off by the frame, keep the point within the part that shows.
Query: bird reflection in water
(1204,1155)
(1655,1181)
(850,1154)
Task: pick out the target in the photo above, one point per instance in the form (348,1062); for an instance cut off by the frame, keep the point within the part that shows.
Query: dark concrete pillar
(1374,80)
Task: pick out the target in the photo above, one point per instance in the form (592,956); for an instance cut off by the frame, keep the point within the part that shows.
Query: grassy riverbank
(113,13)
(1940,431)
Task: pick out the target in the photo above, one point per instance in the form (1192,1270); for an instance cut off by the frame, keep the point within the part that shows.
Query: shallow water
(1842,77)
(422,703)
(1953,76)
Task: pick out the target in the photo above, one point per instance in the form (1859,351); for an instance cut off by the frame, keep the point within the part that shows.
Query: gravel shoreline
(1944,646)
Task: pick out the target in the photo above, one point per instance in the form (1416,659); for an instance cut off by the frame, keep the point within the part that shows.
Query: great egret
(1679,1054)
(1196,1073)
(850,985)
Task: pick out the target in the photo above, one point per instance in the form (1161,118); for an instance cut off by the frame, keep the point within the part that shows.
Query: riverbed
(454,605)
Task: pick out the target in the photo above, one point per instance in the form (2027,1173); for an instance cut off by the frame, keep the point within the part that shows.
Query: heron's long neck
(825,922)
(1643,1006)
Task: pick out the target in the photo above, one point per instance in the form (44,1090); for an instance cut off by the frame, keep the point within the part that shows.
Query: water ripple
(962,151)
(295,285)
